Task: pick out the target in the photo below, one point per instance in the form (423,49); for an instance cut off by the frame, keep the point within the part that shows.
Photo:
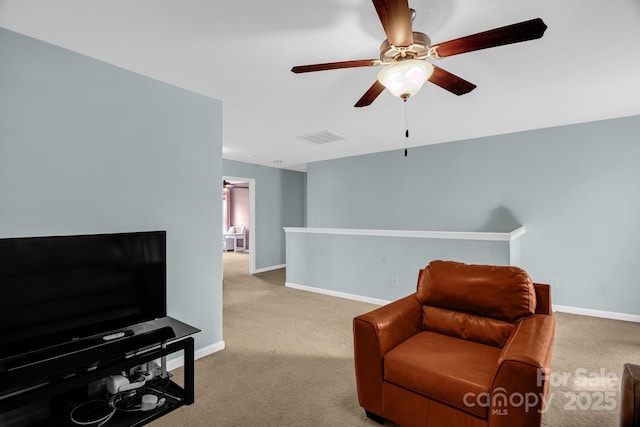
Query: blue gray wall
(86,147)
(574,188)
(280,202)
(384,268)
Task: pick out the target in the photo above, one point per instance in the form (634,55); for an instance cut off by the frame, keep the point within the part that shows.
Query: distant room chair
(235,238)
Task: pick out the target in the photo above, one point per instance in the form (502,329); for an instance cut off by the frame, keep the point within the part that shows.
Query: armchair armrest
(521,383)
(374,334)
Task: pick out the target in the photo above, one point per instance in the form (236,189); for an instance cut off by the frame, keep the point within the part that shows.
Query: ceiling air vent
(322,137)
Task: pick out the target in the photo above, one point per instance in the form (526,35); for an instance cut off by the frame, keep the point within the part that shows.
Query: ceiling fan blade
(335,65)
(450,82)
(396,21)
(515,33)
(370,95)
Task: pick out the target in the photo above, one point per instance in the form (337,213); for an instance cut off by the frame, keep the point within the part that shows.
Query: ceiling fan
(405,51)
(227,184)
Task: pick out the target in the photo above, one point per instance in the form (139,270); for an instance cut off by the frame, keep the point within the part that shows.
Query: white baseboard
(274,267)
(597,313)
(561,308)
(178,362)
(344,295)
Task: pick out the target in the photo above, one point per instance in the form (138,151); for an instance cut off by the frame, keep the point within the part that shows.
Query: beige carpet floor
(289,361)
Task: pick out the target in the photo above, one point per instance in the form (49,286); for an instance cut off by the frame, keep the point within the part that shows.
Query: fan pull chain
(406,126)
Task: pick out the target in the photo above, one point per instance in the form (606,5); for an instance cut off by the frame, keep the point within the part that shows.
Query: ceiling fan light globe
(405,78)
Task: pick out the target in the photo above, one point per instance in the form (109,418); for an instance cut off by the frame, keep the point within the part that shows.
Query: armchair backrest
(236,229)
(476,302)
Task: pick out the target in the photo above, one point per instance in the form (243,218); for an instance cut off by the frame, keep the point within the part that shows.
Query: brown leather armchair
(472,347)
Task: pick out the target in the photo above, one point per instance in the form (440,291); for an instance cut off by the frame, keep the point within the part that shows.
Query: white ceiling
(585,68)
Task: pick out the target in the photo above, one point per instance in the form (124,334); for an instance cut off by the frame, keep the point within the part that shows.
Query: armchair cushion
(452,371)
(483,330)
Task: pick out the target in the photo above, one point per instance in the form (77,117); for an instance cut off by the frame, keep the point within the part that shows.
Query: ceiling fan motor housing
(418,50)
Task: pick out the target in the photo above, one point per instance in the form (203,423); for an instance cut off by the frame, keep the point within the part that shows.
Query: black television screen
(61,288)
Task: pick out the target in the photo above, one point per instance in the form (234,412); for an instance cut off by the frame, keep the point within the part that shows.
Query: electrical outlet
(555,283)
(394,281)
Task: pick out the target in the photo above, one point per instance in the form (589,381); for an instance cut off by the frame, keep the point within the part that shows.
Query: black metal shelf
(134,418)
(72,388)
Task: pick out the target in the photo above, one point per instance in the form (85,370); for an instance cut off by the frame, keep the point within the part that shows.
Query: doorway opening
(238,217)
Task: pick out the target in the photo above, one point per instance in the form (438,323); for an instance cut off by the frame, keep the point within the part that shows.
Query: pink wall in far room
(239,209)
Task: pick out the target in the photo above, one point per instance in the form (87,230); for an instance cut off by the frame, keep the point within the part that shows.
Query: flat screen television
(58,289)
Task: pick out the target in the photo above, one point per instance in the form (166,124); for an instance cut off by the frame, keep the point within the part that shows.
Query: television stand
(51,394)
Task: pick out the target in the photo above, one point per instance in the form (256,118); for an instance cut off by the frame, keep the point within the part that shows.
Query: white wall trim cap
(422,234)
